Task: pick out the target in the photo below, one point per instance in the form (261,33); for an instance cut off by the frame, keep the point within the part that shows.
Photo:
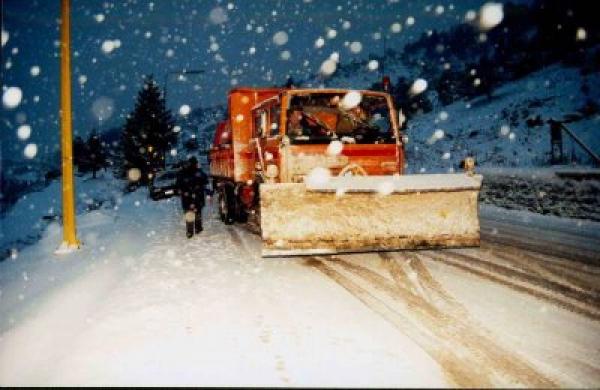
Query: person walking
(191,182)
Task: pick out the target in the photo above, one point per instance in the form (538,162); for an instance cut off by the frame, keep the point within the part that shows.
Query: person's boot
(189,227)
(198,223)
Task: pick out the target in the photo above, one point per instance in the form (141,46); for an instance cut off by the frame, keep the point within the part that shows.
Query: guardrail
(556,129)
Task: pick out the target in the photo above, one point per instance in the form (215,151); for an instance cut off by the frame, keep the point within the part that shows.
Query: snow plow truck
(321,171)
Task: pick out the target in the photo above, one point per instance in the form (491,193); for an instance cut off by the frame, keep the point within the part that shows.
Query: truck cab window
(257,132)
(274,116)
(322,117)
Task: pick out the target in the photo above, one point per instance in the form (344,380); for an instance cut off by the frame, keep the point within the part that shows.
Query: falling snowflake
(11,98)
(134,174)
(319,43)
(217,16)
(184,110)
(280,38)
(373,65)
(285,55)
(328,67)
(24,132)
(5,36)
(490,15)
(35,70)
(334,148)
(30,151)
(103,108)
(108,46)
(350,100)
(418,86)
(470,16)
(356,47)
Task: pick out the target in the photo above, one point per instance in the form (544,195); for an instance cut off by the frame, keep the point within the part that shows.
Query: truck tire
(240,212)
(227,204)
(241,215)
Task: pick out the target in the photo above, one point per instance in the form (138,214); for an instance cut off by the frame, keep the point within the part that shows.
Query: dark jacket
(191,182)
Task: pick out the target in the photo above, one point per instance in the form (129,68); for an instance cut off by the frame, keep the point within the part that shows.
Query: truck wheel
(240,212)
(222,207)
(226,205)
(241,215)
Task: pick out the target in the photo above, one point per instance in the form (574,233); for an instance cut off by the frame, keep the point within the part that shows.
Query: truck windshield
(350,117)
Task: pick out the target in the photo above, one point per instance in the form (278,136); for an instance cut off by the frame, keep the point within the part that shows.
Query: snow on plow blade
(370,213)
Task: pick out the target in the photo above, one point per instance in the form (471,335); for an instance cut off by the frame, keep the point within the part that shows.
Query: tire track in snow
(447,336)
(516,280)
(545,269)
(422,276)
(565,263)
(529,276)
(457,374)
(582,276)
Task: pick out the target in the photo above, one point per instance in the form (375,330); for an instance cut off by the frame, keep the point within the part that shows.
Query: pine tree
(148,133)
(80,154)
(97,154)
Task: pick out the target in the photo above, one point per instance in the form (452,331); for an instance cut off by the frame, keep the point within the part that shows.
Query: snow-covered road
(141,305)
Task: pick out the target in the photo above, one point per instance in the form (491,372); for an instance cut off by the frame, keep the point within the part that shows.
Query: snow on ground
(496,132)
(24,222)
(559,343)
(139,304)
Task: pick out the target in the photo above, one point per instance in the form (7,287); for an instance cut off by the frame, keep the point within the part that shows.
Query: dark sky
(232,41)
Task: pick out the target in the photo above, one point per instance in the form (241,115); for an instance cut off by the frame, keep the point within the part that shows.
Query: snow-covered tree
(148,133)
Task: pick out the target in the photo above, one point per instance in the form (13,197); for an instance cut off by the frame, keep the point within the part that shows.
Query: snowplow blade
(370,213)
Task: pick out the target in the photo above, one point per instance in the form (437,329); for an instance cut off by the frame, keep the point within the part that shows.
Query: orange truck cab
(280,135)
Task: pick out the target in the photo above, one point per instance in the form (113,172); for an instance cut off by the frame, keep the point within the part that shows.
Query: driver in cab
(302,124)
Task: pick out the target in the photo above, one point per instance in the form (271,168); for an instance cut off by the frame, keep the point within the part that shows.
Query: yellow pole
(68,186)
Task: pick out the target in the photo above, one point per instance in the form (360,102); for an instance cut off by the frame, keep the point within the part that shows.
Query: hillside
(509,129)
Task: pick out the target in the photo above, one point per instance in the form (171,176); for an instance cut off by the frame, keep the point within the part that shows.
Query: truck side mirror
(401,119)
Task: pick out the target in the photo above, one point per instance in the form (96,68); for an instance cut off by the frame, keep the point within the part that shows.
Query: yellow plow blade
(370,213)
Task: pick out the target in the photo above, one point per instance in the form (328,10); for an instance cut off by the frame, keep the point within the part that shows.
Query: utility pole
(70,241)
